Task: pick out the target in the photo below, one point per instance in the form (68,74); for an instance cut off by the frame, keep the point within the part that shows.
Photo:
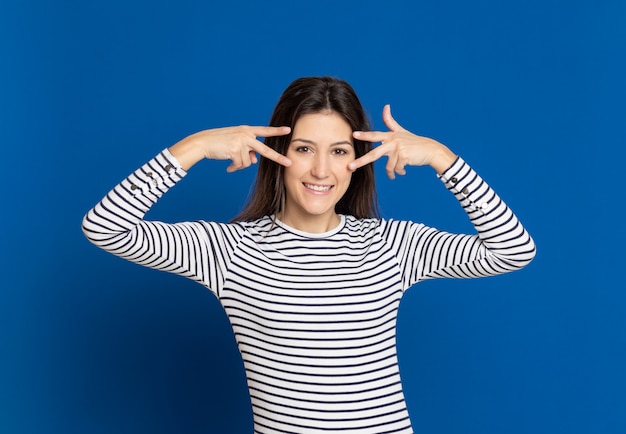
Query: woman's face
(320,150)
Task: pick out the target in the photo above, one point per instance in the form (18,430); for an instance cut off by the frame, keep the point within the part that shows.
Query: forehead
(329,125)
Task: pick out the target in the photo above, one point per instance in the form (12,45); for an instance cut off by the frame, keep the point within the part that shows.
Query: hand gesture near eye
(238,144)
(402,148)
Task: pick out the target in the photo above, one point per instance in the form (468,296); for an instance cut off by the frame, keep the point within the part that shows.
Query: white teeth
(318,187)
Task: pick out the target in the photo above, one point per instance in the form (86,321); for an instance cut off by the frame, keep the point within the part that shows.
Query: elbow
(94,231)
(88,229)
(530,250)
(533,252)
(526,258)
(514,258)
(524,255)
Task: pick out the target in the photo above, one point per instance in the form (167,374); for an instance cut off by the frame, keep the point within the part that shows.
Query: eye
(303,149)
(340,151)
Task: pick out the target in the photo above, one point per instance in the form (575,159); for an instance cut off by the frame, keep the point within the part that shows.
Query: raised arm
(501,243)
(193,249)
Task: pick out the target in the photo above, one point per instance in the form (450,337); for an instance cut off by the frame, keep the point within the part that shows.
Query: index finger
(263,131)
(271,154)
(368,158)
(371,136)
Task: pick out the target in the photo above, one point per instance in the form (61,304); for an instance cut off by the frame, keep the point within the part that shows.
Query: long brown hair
(304,96)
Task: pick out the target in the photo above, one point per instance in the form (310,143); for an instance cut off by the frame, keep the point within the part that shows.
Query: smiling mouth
(320,188)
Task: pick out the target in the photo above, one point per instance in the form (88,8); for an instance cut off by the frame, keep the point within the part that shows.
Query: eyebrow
(311,142)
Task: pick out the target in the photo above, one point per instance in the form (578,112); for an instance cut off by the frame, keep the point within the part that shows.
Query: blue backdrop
(531,93)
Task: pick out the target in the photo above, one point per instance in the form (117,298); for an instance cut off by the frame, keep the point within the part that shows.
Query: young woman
(309,275)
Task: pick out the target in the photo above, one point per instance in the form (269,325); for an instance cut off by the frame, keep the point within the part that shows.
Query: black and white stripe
(314,315)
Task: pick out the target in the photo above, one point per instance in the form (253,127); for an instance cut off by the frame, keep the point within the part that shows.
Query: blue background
(531,93)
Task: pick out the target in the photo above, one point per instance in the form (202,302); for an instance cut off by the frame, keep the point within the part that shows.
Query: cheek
(292,176)
(294,171)
(342,173)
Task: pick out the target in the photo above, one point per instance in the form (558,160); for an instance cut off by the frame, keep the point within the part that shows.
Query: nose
(321,166)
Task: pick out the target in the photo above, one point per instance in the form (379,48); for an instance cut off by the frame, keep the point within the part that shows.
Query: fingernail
(357,134)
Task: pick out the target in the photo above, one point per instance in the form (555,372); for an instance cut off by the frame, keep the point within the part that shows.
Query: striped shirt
(314,315)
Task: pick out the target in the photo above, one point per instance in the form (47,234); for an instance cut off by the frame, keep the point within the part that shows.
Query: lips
(318,188)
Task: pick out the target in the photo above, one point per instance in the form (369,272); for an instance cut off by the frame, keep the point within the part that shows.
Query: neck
(311,224)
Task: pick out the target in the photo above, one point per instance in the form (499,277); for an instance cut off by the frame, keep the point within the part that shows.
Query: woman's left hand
(402,148)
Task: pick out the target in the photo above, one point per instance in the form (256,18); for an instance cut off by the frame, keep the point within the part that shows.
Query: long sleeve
(501,244)
(197,250)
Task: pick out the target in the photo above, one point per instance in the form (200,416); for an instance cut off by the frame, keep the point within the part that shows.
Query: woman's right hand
(238,144)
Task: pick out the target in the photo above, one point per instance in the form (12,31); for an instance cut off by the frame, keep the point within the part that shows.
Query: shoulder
(257,227)
(218,231)
(375,223)
(392,228)
(385,230)
(353,224)
(364,227)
